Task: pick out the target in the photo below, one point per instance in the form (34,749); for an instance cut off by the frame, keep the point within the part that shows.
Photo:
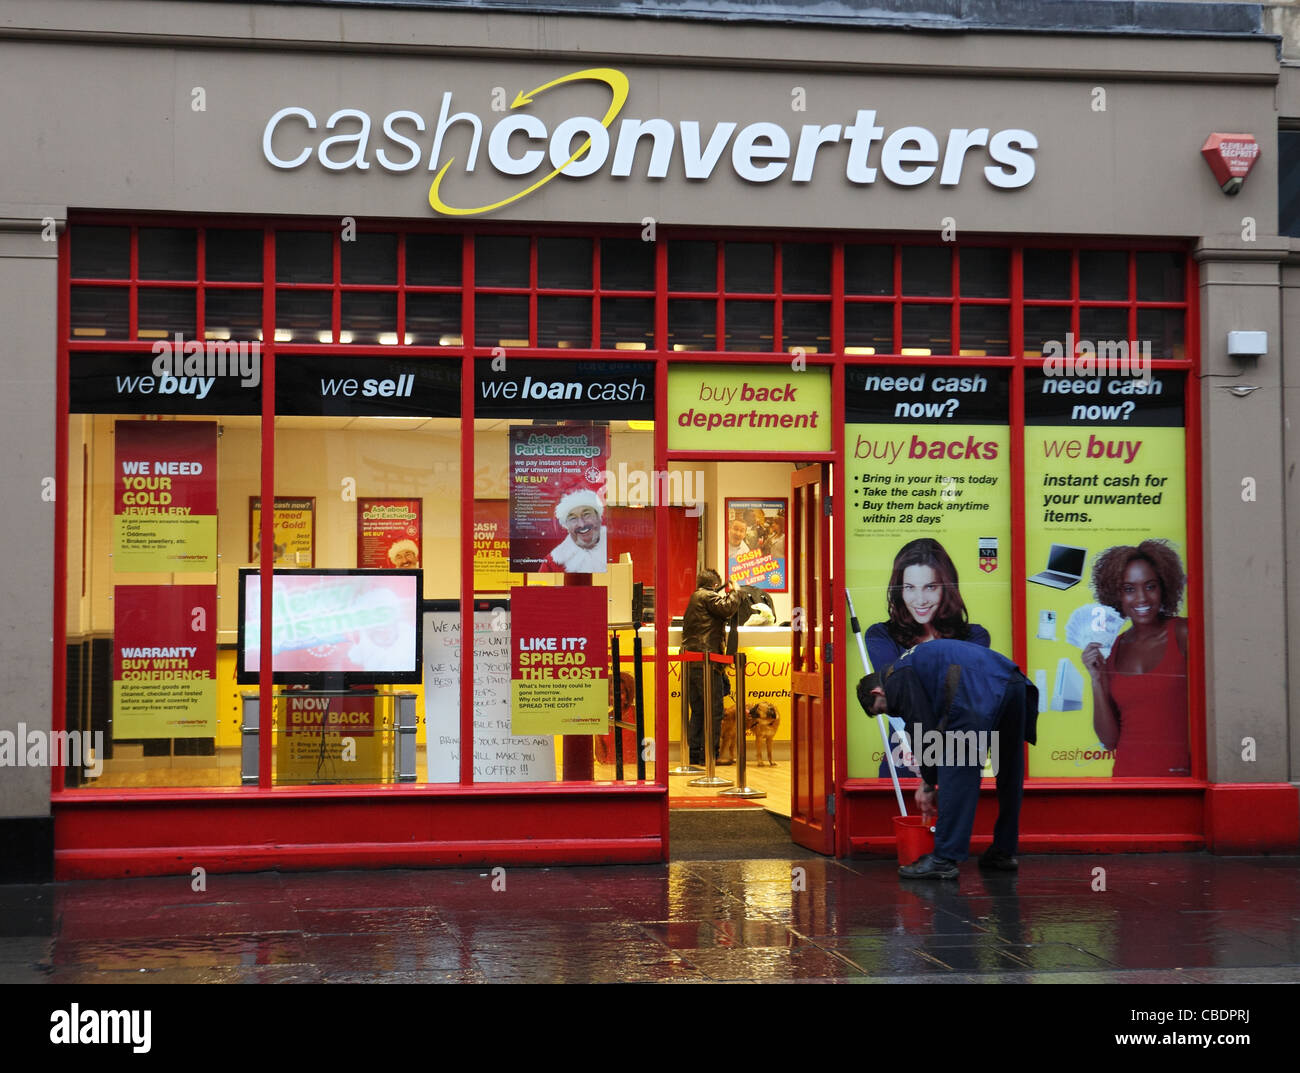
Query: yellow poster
(755,408)
(1106,558)
(294,527)
(928,520)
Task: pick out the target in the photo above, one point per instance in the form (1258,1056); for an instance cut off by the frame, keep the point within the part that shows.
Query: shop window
(869,328)
(100,312)
(564,264)
(1044,324)
(501,320)
(1103,275)
(151,597)
(985,272)
(557,555)
(692,266)
(370,258)
(433,260)
(165,312)
(985,331)
(303,316)
(927,329)
(1046,274)
(750,267)
(501,261)
(1160,277)
(232,314)
(368,317)
(627,264)
(304,257)
(101,252)
(168,253)
(868,269)
(927,270)
(433,319)
(692,324)
(805,268)
(627,323)
(806,325)
(563,322)
(749,325)
(232,256)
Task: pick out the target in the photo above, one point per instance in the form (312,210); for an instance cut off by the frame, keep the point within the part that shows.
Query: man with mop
(947,689)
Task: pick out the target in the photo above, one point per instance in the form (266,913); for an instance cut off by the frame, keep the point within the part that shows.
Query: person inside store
(925,604)
(949,688)
(703,629)
(1139,692)
(582,551)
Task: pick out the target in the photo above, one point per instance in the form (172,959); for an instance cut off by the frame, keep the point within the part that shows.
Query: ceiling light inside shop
(859,350)
(283,335)
(629,346)
(973,353)
(641,426)
(804,349)
(390,339)
(915,351)
(151,333)
(218,333)
(90,333)
(451,340)
(512,342)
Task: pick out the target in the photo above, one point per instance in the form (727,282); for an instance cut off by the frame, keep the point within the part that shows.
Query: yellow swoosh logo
(618,85)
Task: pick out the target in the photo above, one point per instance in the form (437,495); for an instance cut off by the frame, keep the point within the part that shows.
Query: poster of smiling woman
(557,499)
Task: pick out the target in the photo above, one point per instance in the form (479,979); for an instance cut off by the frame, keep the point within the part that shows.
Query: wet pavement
(1156,918)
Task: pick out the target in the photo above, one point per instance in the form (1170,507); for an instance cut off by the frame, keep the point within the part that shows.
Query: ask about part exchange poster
(1106,559)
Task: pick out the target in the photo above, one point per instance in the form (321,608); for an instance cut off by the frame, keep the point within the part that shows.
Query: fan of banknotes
(1094,622)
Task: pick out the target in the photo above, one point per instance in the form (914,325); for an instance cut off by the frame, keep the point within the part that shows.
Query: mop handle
(880,719)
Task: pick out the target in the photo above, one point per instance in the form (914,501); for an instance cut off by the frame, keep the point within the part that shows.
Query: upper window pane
(100,252)
(1288,182)
(692,266)
(168,253)
(564,263)
(100,312)
(927,270)
(868,270)
(805,268)
(368,258)
(627,264)
(501,320)
(304,257)
(751,267)
(501,261)
(164,311)
(433,260)
(232,256)
(1047,274)
(1159,277)
(749,325)
(1103,275)
(986,273)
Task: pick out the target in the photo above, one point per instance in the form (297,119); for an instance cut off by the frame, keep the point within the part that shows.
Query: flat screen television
(332,629)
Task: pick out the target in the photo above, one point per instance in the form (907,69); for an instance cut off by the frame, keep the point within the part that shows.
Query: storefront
(515,340)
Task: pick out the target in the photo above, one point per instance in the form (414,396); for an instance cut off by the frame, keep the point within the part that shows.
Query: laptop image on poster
(1064,567)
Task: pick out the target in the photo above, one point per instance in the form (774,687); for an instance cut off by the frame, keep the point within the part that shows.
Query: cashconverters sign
(519,144)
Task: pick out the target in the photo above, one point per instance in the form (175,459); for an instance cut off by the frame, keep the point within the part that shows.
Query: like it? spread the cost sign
(721,408)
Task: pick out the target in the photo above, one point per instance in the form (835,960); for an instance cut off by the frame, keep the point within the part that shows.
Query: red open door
(812,820)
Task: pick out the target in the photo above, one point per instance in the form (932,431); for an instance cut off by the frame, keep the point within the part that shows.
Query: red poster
(559,660)
(389,533)
(557,498)
(165,496)
(164,661)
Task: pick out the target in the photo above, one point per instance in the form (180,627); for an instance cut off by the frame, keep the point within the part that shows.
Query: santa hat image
(578,497)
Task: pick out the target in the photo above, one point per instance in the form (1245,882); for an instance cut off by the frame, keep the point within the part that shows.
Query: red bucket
(913,837)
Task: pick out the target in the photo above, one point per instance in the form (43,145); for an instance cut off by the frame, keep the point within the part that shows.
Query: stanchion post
(640,706)
(709,779)
(742,788)
(616,679)
(684,766)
